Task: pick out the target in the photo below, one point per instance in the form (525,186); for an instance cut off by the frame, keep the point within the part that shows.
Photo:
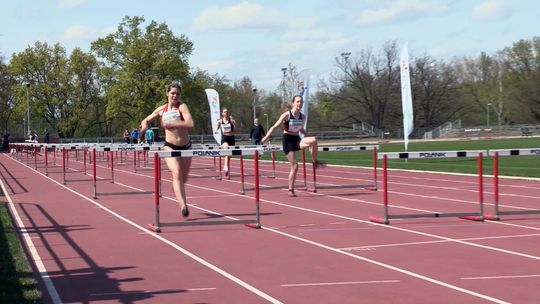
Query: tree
(367,87)
(52,88)
(139,63)
(197,100)
(287,87)
(7,99)
(434,86)
(86,89)
(522,62)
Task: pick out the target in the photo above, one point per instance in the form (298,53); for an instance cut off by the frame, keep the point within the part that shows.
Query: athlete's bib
(295,125)
(226,127)
(170,116)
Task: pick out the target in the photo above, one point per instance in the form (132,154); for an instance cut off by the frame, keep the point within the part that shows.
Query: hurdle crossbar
(372,186)
(156,226)
(110,163)
(475,216)
(507,152)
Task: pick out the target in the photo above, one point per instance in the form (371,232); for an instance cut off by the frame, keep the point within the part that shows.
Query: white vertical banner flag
(302,89)
(213,102)
(406,98)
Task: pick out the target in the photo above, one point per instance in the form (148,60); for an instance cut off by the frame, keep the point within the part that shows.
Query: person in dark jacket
(257,133)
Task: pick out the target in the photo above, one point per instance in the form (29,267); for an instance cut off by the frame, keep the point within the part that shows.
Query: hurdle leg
(304,168)
(220,170)
(242,190)
(480,193)
(273,164)
(384,220)
(94,190)
(84,160)
(257,224)
(375,168)
(112,166)
(495,216)
(64,165)
(156,226)
(314,179)
(35,157)
(135,161)
(46,163)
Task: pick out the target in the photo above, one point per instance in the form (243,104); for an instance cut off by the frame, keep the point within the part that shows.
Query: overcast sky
(257,38)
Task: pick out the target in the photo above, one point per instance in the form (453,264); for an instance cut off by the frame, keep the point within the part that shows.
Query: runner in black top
(292,122)
(226,125)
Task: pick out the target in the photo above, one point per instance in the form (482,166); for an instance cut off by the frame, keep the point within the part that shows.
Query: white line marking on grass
(32,249)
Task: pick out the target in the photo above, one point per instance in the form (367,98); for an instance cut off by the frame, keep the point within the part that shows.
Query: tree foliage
(7,99)
(123,78)
(53,84)
(139,63)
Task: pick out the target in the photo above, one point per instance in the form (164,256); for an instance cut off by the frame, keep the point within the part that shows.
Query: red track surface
(315,248)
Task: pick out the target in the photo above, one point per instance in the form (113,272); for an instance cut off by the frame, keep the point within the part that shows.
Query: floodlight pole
(487,114)
(254,102)
(27,84)
(284,71)
(266,121)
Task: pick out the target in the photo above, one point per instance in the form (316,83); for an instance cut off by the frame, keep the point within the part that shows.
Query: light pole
(284,71)
(27,84)
(345,56)
(487,114)
(266,121)
(254,102)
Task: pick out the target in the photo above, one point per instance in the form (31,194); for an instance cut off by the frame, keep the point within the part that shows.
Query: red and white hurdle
(476,216)
(156,226)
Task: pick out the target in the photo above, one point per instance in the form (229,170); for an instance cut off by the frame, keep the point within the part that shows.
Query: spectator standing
(5,142)
(149,135)
(33,136)
(126,136)
(135,135)
(47,137)
(257,133)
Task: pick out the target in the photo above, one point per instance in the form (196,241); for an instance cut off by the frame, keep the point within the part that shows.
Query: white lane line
(397,269)
(338,283)
(32,249)
(334,229)
(367,222)
(164,240)
(503,277)
(142,292)
(440,241)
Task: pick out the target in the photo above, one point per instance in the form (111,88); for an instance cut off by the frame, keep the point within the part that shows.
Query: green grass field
(526,166)
(17,283)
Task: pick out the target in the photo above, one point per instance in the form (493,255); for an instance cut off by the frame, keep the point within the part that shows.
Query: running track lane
(288,262)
